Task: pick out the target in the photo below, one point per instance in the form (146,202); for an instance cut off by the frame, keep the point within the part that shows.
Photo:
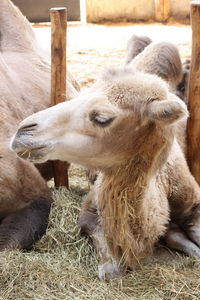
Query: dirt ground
(91,48)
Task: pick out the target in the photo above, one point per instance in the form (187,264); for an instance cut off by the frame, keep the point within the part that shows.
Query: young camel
(25,198)
(168,66)
(125,127)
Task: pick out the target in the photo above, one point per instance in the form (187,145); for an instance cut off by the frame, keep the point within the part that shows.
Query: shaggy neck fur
(123,202)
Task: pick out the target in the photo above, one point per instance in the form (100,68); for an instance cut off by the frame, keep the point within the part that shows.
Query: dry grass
(63,265)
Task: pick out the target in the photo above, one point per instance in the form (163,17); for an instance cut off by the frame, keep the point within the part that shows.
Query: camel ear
(167,111)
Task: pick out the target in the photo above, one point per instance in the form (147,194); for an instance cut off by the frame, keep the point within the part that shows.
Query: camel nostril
(29,127)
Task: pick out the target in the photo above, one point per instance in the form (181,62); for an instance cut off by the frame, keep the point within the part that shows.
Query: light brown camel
(125,126)
(168,70)
(25,199)
(136,44)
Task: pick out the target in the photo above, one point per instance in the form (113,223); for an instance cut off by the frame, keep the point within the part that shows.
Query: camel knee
(87,222)
(176,239)
(191,224)
(194,233)
(24,227)
(88,218)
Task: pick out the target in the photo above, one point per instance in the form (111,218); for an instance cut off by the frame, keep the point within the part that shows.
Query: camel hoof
(109,270)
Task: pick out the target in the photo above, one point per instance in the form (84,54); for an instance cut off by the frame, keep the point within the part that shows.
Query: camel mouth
(36,155)
(26,152)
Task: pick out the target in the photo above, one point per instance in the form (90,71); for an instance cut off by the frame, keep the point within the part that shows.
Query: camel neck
(122,196)
(149,154)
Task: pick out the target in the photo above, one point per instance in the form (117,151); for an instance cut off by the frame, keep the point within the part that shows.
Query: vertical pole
(83,12)
(58,78)
(162,10)
(158,10)
(193,125)
(167,9)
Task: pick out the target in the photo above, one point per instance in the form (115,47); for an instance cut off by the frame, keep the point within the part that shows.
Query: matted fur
(126,217)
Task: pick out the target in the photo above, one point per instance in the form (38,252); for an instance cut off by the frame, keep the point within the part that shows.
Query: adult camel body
(25,199)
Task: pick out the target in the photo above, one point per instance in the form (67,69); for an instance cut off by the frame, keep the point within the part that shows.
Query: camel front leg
(192,225)
(89,223)
(108,267)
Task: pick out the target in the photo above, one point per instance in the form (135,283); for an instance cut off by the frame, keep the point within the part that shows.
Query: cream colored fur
(126,127)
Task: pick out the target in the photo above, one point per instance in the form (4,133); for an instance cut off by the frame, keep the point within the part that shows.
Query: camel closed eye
(100,120)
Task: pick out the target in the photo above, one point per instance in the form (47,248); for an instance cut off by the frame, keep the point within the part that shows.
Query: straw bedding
(63,265)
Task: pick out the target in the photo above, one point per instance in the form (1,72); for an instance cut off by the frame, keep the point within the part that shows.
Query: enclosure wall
(119,10)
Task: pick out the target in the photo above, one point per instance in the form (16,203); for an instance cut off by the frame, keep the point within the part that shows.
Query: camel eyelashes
(100,120)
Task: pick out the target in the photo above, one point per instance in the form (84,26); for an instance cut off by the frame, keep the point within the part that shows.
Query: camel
(182,87)
(171,70)
(125,126)
(179,80)
(25,198)
(136,45)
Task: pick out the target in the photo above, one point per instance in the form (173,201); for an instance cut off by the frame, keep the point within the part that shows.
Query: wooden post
(193,125)
(58,78)
(162,10)
(167,9)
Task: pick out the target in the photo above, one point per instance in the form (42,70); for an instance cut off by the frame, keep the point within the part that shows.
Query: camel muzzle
(23,142)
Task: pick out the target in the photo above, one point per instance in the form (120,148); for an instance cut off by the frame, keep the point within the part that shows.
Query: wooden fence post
(162,10)
(193,125)
(58,78)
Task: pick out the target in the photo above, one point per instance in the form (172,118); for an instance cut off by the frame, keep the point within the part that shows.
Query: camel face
(100,127)
(73,131)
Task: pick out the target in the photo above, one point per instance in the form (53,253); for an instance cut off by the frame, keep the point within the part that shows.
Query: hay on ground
(63,265)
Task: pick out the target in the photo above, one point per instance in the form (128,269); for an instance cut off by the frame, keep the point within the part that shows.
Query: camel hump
(136,44)
(162,59)
(16,33)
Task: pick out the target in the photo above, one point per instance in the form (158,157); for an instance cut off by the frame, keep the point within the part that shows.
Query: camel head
(104,125)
